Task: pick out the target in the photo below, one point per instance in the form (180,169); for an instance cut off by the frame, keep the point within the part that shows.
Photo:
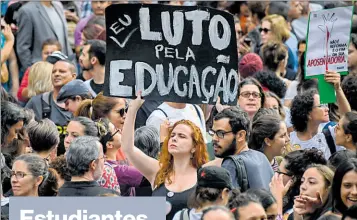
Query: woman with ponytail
(106,107)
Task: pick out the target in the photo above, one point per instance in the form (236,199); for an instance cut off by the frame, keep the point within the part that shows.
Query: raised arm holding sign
(171,53)
(327,47)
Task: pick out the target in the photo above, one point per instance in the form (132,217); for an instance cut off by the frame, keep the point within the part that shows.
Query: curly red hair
(200,156)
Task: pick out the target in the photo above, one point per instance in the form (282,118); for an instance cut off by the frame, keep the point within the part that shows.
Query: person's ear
(267,142)
(93,165)
(110,145)
(241,136)
(93,60)
(39,180)
(348,138)
(78,98)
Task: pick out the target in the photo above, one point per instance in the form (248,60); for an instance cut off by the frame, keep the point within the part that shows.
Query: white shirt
(157,117)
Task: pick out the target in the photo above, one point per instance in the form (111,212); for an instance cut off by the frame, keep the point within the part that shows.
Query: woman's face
(272,212)
(181,141)
(24,183)
(313,182)
(284,171)
(14,131)
(349,188)
(280,140)
(352,56)
(74,129)
(266,32)
(271,102)
(118,113)
(319,111)
(250,99)
(341,137)
(116,142)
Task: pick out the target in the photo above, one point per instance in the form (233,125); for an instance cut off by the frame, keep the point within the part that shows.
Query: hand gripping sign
(328,40)
(171,53)
(327,47)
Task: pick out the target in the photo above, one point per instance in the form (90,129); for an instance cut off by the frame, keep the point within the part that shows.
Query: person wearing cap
(49,46)
(250,64)
(213,187)
(45,105)
(92,59)
(72,94)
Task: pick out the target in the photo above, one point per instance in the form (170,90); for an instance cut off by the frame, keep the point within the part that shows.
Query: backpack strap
(241,172)
(330,142)
(46,104)
(161,111)
(185,214)
(198,113)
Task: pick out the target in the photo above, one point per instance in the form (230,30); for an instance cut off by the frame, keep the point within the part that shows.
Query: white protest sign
(328,40)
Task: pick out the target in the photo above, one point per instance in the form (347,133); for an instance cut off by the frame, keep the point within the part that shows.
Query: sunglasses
(122,111)
(266,30)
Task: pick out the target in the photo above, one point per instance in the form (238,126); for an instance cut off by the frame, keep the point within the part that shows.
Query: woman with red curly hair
(174,174)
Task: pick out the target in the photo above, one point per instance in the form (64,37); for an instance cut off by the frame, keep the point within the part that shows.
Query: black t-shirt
(97,88)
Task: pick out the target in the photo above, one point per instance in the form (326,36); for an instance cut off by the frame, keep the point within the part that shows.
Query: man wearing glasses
(230,133)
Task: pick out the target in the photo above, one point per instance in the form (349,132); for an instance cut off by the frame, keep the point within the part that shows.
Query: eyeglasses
(19,175)
(103,157)
(122,111)
(255,95)
(266,30)
(286,174)
(219,133)
(321,106)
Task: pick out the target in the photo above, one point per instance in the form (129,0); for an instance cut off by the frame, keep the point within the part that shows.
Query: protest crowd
(279,153)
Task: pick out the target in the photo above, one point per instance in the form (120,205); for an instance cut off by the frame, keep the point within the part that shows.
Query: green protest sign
(327,42)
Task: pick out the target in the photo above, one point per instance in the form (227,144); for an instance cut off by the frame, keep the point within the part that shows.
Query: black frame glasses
(219,133)
(286,174)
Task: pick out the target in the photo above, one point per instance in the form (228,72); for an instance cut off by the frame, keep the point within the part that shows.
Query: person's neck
(98,74)
(111,154)
(353,71)
(176,105)
(241,147)
(351,147)
(268,155)
(205,205)
(55,92)
(85,178)
(182,165)
(46,3)
(44,154)
(33,194)
(311,131)
(87,75)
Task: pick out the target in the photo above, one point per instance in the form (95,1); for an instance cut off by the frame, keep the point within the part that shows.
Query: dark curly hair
(301,107)
(349,87)
(59,164)
(272,82)
(296,163)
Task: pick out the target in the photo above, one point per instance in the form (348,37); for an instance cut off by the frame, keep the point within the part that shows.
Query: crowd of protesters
(279,154)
